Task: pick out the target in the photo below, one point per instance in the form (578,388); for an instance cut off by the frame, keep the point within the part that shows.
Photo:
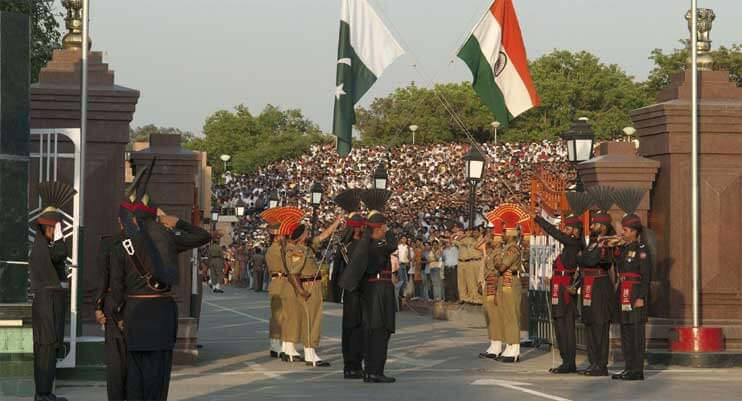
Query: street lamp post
(495,125)
(474,163)
(380,177)
(316,192)
(214,217)
(580,140)
(413,128)
(224,158)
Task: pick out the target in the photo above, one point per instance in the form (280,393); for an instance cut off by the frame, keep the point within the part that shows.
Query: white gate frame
(48,162)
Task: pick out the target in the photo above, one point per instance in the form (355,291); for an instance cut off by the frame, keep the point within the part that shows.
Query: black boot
(596,371)
(619,376)
(378,379)
(352,374)
(565,368)
(631,376)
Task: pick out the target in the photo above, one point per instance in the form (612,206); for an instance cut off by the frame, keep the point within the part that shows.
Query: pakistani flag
(365,49)
(497,59)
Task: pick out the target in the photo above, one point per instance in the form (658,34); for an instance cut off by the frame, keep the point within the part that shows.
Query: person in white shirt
(403,254)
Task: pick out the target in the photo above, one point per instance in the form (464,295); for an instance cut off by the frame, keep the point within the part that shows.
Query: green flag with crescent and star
(365,49)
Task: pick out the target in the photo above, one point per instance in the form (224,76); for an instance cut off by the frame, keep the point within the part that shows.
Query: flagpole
(694,161)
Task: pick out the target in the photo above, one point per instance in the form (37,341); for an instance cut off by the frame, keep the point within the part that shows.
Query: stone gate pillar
(664,130)
(55,103)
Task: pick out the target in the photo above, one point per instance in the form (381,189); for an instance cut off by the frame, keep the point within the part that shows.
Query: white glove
(58,232)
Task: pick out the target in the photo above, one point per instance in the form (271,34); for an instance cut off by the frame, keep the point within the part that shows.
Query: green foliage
(255,141)
(141,134)
(668,64)
(387,119)
(45,35)
(570,85)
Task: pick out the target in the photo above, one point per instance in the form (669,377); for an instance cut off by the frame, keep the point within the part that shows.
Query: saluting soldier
(370,270)
(597,288)
(470,259)
(47,263)
(303,267)
(634,267)
(115,344)
(143,269)
(510,298)
(352,327)
(492,249)
(564,279)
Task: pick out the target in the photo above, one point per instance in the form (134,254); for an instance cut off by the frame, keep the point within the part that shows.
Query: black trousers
(450,284)
(353,347)
(148,374)
(115,355)
(632,345)
(597,343)
(564,326)
(377,345)
(44,367)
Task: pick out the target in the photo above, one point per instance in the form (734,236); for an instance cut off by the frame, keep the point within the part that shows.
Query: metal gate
(51,153)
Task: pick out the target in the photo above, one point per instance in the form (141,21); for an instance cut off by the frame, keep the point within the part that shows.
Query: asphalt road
(431,360)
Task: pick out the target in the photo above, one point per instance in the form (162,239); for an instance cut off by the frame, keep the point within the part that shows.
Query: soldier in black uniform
(562,288)
(370,270)
(634,267)
(49,285)
(143,269)
(597,288)
(352,338)
(115,344)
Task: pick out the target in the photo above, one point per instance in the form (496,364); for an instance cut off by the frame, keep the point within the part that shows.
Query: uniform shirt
(595,256)
(634,258)
(379,255)
(47,262)
(467,250)
(215,251)
(511,258)
(273,258)
(125,278)
(572,245)
(301,260)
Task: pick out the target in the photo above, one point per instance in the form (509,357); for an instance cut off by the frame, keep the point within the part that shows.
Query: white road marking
(518,387)
(418,362)
(227,326)
(236,312)
(258,368)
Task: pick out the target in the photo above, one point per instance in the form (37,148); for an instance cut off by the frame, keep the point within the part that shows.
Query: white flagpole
(694,161)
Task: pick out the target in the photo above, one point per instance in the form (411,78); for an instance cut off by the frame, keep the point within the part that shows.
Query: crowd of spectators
(429,190)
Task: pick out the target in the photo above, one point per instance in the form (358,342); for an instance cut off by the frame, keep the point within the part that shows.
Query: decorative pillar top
(73,22)
(706,18)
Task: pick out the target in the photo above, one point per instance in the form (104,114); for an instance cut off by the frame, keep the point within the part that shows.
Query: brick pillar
(55,103)
(664,130)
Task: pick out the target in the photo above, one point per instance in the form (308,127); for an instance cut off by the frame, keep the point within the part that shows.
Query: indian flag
(365,49)
(497,59)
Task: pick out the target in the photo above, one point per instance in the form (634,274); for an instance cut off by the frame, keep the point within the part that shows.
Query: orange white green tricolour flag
(497,59)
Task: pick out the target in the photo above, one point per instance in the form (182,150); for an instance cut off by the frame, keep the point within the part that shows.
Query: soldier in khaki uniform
(492,250)
(278,281)
(286,311)
(470,259)
(509,301)
(216,263)
(302,265)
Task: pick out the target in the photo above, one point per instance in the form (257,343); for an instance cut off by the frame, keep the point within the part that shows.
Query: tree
(387,119)
(668,64)
(254,141)
(44,30)
(570,85)
(142,134)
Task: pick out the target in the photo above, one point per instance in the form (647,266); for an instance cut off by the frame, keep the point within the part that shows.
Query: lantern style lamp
(580,140)
(380,177)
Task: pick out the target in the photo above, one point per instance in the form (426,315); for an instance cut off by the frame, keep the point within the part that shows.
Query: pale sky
(190,58)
